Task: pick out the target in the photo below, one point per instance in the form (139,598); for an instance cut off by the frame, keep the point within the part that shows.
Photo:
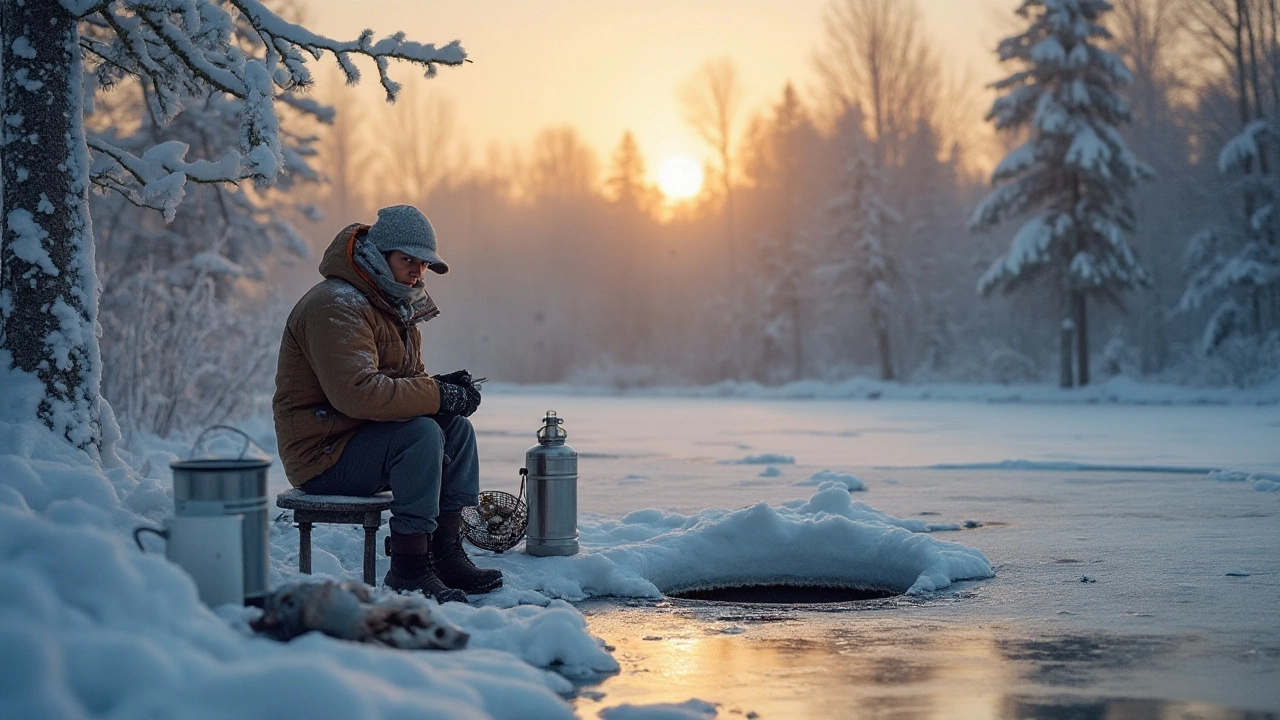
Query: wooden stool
(340,509)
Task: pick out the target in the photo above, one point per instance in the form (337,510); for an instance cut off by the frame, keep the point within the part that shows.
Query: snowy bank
(1260,481)
(92,627)
(1120,390)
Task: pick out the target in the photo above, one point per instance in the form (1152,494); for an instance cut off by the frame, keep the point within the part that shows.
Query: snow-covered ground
(677,492)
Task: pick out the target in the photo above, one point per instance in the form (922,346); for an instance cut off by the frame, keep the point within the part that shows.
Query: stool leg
(370,555)
(304,548)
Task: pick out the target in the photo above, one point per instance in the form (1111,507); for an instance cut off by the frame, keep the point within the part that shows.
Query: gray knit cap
(405,228)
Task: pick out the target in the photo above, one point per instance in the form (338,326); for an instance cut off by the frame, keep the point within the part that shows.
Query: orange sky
(606,66)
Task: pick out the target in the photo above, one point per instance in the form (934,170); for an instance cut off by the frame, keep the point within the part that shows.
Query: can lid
(220,464)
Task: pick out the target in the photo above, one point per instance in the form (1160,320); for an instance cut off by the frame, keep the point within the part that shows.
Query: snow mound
(1262,482)
(850,482)
(765,459)
(689,710)
(92,627)
(826,540)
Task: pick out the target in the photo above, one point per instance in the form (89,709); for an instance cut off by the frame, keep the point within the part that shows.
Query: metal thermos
(230,486)
(552,469)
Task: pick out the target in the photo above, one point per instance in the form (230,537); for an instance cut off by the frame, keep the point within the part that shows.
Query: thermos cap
(551,433)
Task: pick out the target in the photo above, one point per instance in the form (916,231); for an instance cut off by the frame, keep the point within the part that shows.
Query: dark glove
(473,397)
(457,377)
(457,399)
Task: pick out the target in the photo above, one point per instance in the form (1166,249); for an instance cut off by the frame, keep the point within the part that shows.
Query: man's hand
(457,377)
(458,399)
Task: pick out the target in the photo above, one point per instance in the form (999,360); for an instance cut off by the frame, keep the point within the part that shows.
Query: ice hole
(784,594)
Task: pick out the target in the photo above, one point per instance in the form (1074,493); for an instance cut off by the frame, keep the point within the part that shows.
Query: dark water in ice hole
(784,594)
(825,653)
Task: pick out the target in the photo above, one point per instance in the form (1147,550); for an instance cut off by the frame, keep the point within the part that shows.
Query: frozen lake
(1128,583)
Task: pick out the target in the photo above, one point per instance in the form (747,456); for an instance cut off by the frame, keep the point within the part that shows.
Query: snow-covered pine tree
(1074,171)
(1237,264)
(863,219)
(180,50)
(776,173)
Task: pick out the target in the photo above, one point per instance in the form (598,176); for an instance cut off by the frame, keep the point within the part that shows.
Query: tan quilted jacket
(346,358)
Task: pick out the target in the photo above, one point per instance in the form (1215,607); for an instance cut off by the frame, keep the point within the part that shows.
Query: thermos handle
(524,473)
(247,440)
(137,532)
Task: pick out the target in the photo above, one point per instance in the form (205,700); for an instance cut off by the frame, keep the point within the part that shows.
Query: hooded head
(405,228)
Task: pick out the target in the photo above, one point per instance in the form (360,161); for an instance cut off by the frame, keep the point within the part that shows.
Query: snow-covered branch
(1242,150)
(184,50)
(283,40)
(157,179)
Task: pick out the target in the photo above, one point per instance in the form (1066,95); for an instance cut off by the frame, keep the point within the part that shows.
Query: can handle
(247,440)
(137,535)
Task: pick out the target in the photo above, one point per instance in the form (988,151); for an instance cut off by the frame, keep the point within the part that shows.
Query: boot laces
(452,550)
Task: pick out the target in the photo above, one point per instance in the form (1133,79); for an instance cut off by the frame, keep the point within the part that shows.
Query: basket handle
(247,440)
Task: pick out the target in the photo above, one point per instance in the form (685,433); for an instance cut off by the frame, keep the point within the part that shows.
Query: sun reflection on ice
(791,663)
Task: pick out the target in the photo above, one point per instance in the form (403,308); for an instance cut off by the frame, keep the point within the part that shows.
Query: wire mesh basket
(497,522)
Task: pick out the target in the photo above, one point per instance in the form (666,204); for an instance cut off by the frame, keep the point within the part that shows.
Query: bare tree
(344,155)
(424,145)
(872,53)
(712,101)
(1147,34)
(561,165)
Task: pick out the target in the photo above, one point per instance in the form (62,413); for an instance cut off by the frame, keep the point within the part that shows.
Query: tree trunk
(48,287)
(882,345)
(1066,378)
(797,335)
(1082,338)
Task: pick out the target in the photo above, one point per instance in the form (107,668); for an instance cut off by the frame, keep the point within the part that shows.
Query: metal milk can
(229,486)
(552,469)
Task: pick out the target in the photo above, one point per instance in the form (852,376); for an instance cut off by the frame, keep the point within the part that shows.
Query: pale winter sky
(606,66)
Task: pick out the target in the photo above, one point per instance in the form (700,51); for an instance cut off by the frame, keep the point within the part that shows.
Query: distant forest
(839,232)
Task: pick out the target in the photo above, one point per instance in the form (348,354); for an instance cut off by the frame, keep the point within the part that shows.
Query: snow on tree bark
(48,290)
(1075,171)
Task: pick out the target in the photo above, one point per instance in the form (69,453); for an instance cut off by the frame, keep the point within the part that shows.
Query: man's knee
(457,428)
(419,430)
(463,429)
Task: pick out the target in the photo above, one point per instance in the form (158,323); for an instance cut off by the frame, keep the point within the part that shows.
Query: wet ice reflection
(795,663)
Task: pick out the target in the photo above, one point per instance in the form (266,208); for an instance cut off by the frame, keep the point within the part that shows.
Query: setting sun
(680,177)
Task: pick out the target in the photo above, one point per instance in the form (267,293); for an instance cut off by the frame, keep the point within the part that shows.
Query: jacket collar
(339,262)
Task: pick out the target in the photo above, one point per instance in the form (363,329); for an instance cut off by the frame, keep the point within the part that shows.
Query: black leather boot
(452,564)
(411,568)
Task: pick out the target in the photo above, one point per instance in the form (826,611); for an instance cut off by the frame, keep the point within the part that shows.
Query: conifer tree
(1235,265)
(863,221)
(626,184)
(1074,172)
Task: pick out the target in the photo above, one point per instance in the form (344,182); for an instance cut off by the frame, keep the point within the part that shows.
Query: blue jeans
(430,465)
